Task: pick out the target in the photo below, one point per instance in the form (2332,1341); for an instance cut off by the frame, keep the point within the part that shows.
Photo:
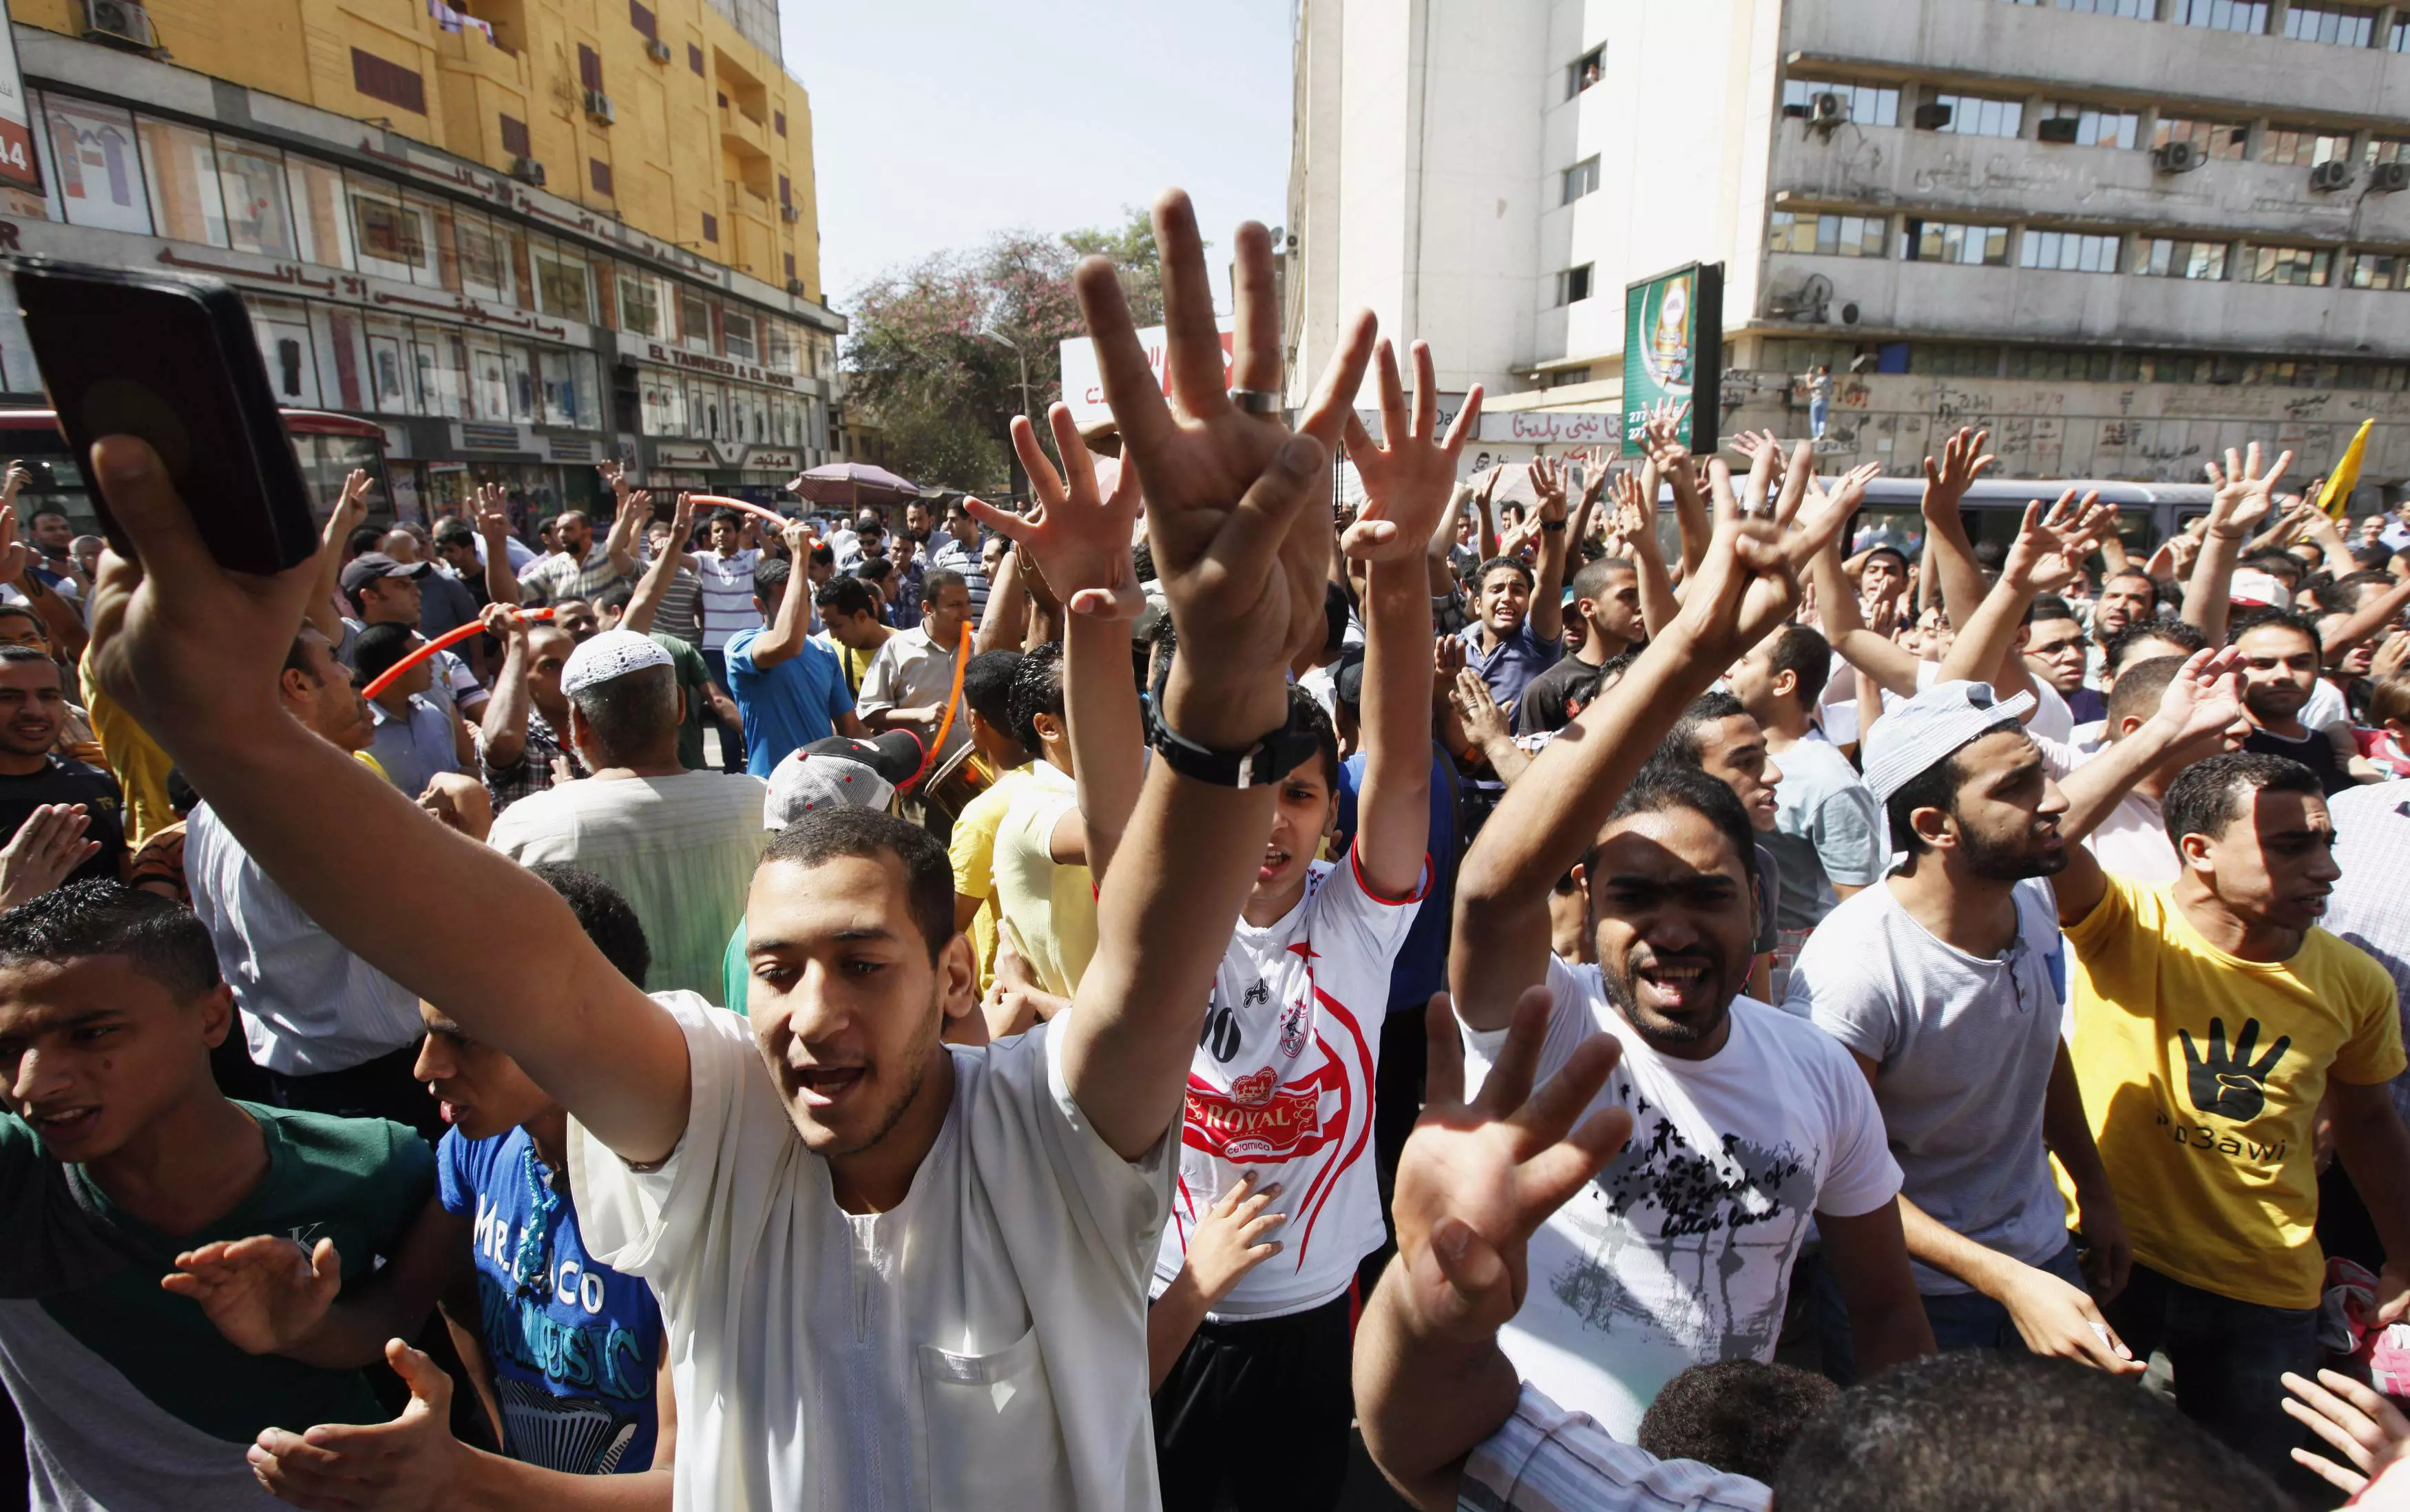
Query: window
(642,19)
(1952,362)
(1584,71)
(1572,284)
(2069,252)
(778,122)
(694,323)
(1834,236)
(2059,364)
(2398,39)
(640,303)
(485,268)
(561,283)
(2098,127)
(252,181)
(2305,267)
(2331,24)
(186,202)
(2373,270)
(2161,258)
(1869,104)
(322,224)
(1949,242)
(390,239)
(710,228)
(589,68)
(1972,115)
(93,163)
(598,173)
(391,82)
(2377,150)
(790,265)
(514,137)
(2221,15)
(2133,9)
(1581,179)
(739,332)
(786,190)
(2303,147)
(2215,139)
(694,60)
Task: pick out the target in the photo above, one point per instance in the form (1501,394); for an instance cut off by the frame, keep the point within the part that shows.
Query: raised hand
(493,509)
(1238,506)
(615,477)
(1484,720)
(797,537)
(264,1293)
(1077,539)
(1410,474)
(2361,1423)
(2205,701)
(1963,461)
(45,850)
(1660,434)
(2243,492)
(2050,548)
(13,481)
(410,1464)
(1748,581)
(1477,1178)
(15,557)
(1547,478)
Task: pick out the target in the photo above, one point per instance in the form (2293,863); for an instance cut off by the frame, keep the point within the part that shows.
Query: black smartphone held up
(173,359)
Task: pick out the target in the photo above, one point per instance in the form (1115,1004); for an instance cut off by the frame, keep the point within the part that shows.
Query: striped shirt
(1544,1458)
(557,577)
(681,613)
(727,596)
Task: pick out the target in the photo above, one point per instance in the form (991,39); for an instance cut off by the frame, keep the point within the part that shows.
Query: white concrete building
(2124,233)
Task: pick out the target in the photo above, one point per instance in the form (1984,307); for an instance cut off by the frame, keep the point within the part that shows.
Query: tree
(923,362)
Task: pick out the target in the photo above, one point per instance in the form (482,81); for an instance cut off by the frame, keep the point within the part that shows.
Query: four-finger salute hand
(1077,536)
(1410,474)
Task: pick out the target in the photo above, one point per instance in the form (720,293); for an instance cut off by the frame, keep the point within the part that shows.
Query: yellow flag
(2345,476)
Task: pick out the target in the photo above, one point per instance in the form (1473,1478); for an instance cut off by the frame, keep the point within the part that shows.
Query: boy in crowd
(788,688)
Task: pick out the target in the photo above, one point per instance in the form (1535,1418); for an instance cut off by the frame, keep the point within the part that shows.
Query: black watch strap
(1267,761)
(1552,527)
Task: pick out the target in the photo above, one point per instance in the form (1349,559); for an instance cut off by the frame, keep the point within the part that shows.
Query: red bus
(328,445)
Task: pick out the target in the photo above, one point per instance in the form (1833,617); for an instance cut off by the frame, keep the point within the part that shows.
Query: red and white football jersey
(1281,1085)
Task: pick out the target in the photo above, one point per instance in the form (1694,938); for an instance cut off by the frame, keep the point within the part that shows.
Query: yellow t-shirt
(1048,910)
(139,762)
(973,854)
(2201,1072)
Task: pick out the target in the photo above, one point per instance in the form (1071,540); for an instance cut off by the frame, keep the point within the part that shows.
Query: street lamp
(987,329)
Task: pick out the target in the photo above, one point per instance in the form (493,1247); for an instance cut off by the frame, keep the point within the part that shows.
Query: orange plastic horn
(449,638)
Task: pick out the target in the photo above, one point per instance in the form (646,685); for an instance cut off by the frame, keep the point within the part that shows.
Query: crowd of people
(1155,990)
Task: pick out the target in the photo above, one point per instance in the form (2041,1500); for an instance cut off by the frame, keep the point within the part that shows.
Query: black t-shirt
(1542,708)
(63,781)
(2317,753)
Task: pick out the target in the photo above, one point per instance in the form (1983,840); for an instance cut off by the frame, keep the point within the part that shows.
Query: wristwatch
(1552,527)
(1269,760)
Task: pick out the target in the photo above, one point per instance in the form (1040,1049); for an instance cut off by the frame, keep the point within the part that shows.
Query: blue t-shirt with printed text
(575,1368)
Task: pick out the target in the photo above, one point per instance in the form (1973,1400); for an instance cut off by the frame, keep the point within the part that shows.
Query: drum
(948,790)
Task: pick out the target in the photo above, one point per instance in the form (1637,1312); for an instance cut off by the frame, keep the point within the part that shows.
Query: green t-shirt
(693,675)
(735,972)
(88,1319)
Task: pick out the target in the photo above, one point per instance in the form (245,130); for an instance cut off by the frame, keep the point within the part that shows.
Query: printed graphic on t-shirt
(1707,1216)
(2232,1085)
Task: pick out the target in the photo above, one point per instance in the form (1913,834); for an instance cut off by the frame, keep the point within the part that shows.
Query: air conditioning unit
(2329,175)
(2178,157)
(528,170)
(2061,129)
(1827,109)
(658,51)
(2389,177)
(795,287)
(598,106)
(121,22)
(1931,117)
(789,213)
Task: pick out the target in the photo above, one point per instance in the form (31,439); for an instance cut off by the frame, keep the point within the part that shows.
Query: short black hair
(1979,1429)
(987,686)
(2183,632)
(822,554)
(164,941)
(618,596)
(1481,574)
(2048,606)
(1807,656)
(824,835)
(2361,581)
(873,569)
(1306,712)
(376,649)
(603,913)
(2142,686)
(1739,1415)
(1681,743)
(936,581)
(1590,582)
(1036,688)
(29,656)
(1936,786)
(2275,564)
(770,576)
(2215,790)
(363,538)
(1662,787)
(2243,624)
(453,531)
(846,596)
(26,612)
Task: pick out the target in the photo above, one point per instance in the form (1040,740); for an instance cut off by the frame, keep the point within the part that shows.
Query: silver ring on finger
(1256,400)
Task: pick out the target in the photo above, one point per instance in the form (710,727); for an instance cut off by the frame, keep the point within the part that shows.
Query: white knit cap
(614,653)
(1908,740)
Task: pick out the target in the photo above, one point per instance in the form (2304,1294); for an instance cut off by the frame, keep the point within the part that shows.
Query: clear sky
(938,122)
